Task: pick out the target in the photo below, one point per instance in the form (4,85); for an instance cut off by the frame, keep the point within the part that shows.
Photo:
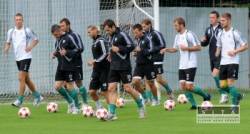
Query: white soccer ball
(182,99)
(24,112)
(102,114)
(120,102)
(52,107)
(169,105)
(87,111)
(206,105)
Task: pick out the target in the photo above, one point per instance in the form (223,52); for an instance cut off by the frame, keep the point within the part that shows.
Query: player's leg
(215,65)
(150,75)
(191,87)
(94,86)
(37,96)
(159,71)
(74,95)
(232,76)
(126,79)
(20,98)
(182,85)
(79,84)
(113,79)
(112,97)
(137,81)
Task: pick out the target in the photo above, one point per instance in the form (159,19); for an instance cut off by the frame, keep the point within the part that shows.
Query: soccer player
(210,39)
(65,26)
(159,43)
(23,40)
(229,44)
(120,67)
(65,54)
(144,64)
(100,64)
(188,45)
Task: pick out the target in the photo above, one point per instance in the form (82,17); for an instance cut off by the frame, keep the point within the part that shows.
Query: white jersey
(228,41)
(20,39)
(187,59)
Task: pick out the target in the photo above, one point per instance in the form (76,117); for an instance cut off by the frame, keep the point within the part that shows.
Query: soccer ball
(120,102)
(169,105)
(87,111)
(182,99)
(102,114)
(206,105)
(52,107)
(24,112)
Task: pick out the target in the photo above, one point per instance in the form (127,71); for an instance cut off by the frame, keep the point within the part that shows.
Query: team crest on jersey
(209,31)
(63,41)
(115,38)
(129,77)
(153,74)
(142,42)
(70,77)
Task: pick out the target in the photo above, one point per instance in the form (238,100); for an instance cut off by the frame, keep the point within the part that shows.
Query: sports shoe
(16,103)
(155,103)
(111,117)
(170,95)
(37,101)
(208,98)
(223,99)
(70,108)
(141,112)
(193,108)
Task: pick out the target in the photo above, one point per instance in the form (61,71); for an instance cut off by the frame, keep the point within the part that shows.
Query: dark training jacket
(158,42)
(100,50)
(121,59)
(211,36)
(145,55)
(76,39)
(67,62)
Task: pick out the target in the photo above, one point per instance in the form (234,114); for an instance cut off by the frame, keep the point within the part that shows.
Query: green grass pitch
(158,121)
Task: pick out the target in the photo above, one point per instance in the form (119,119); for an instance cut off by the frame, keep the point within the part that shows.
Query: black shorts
(147,71)
(187,75)
(229,71)
(99,80)
(215,63)
(23,65)
(68,76)
(159,69)
(123,76)
(79,74)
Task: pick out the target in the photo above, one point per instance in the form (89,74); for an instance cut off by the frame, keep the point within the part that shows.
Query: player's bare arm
(32,45)
(242,48)
(190,49)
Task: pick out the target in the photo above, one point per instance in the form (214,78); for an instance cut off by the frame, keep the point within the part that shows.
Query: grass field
(158,121)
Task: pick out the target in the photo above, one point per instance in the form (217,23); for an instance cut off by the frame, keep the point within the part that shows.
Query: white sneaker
(75,111)
(141,112)
(70,108)
(16,103)
(223,99)
(37,101)
(155,103)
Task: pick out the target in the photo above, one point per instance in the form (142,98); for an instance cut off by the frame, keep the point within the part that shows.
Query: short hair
(19,15)
(216,13)
(227,15)
(180,21)
(109,23)
(54,28)
(92,27)
(137,26)
(147,22)
(65,20)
